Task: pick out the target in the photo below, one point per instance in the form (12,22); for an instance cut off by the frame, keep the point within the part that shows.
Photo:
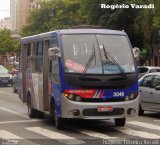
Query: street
(17,128)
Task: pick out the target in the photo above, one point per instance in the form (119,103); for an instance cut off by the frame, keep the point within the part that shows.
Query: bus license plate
(104,109)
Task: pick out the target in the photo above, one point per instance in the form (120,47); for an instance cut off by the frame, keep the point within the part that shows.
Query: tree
(7,43)
(148,23)
(118,18)
(140,24)
(54,14)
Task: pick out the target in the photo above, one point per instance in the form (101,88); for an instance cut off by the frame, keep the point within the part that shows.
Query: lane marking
(95,134)
(157,120)
(55,135)
(20,121)
(8,135)
(13,112)
(133,132)
(14,139)
(8,93)
(145,125)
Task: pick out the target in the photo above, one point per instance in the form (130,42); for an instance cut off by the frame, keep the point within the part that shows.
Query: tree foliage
(54,14)
(140,24)
(148,21)
(7,43)
(119,19)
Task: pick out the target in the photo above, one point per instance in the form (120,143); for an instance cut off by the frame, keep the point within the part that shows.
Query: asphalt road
(17,129)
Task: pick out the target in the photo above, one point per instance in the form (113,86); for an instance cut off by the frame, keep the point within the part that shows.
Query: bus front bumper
(83,110)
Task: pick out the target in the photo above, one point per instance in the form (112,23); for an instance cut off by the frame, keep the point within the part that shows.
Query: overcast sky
(4,8)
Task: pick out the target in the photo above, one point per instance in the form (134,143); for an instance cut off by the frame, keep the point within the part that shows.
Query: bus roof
(74,31)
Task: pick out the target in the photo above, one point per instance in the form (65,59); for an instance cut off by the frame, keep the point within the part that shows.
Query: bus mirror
(54,51)
(136,52)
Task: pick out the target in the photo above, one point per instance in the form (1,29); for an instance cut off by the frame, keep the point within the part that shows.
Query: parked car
(142,70)
(1,66)
(149,91)
(5,76)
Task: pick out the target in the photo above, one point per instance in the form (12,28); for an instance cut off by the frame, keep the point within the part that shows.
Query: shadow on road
(154,115)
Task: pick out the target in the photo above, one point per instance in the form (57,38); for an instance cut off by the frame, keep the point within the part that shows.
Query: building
(20,11)
(13,15)
(35,4)
(5,23)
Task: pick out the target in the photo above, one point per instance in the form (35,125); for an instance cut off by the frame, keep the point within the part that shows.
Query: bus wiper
(93,55)
(113,61)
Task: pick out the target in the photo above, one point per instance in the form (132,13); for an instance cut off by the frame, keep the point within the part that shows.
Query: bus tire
(57,120)
(120,121)
(32,113)
(40,114)
(140,111)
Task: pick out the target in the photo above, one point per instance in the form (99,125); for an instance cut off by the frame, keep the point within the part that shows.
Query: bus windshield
(97,54)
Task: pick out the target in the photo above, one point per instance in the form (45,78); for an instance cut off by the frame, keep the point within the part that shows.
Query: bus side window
(54,70)
(32,46)
(39,57)
(39,48)
(31,56)
(28,50)
(54,40)
(50,67)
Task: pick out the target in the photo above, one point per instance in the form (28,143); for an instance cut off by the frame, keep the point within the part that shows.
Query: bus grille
(101,100)
(94,112)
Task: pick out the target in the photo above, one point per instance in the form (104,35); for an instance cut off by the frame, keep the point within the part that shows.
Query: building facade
(13,15)
(5,23)
(23,8)
(20,11)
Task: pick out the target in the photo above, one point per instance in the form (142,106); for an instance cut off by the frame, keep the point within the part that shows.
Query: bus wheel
(58,121)
(140,111)
(120,121)
(31,112)
(40,114)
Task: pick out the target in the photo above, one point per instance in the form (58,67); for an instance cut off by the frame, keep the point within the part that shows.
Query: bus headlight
(78,99)
(132,96)
(73,97)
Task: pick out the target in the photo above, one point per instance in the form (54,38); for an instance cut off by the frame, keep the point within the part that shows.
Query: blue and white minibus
(80,73)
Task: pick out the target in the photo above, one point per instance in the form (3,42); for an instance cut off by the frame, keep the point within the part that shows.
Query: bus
(79,73)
